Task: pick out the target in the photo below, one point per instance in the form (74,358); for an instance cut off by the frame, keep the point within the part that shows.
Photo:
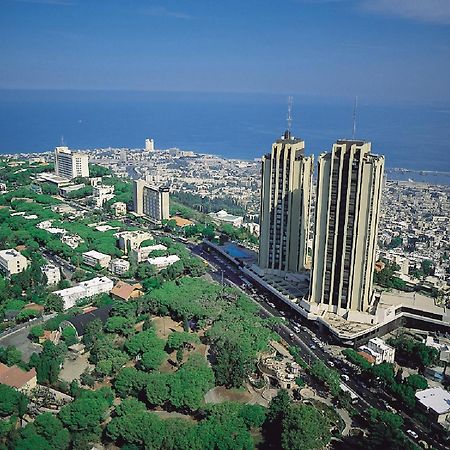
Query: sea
(412,136)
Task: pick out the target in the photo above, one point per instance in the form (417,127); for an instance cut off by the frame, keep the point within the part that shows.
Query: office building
(285,207)
(70,164)
(349,184)
(150,201)
(12,262)
(149,145)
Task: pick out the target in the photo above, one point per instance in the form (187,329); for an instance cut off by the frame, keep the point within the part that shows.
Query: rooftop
(437,399)
(95,254)
(82,320)
(14,376)
(10,254)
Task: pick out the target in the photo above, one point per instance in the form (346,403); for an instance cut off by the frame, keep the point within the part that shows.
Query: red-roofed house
(17,378)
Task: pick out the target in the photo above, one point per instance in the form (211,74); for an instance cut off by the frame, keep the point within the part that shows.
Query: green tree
(36,332)
(92,333)
(416,382)
(48,431)
(48,363)
(253,415)
(85,413)
(303,428)
(158,388)
(12,401)
(10,356)
(130,381)
(152,359)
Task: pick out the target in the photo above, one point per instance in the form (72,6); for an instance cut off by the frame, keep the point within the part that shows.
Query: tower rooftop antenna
(289,116)
(355,107)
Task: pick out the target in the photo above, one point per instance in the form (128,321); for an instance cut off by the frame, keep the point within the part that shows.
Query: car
(412,433)
(292,335)
(296,329)
(312,347)
(345,377)
(331,363)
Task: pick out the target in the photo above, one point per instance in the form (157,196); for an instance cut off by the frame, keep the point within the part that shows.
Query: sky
(380,50)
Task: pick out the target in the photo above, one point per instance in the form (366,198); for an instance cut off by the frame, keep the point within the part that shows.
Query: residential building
(89,288)
(349,185)
(81,321)
(141,254)
(149,145)
(161,262)
(119,266)
(436,402)
(70,164)
(151,201)
(18,378)
(285,207)
(12,262)
(131,240)
(125,291)
(380,351)
(223,217)
(93,257)
(119,208)
(101,194)
(52,273)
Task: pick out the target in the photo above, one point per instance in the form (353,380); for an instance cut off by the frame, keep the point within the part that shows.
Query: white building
(65,191)
(12,262)
(70,164)
(161,262)
(223,217)
(101,194)
(436,402)
(149,145)
(52,273)
(85,289)
(141,254)
(93,257)
(119,208)
(73,240)
(131,240)
(379,350)
(119,266)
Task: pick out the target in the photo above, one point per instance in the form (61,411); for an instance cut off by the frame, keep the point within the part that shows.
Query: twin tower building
(346,215)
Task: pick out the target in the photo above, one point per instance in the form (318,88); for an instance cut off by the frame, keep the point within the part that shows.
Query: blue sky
(396,50)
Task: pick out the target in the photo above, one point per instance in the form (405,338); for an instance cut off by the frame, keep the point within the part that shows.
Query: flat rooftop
(437,399)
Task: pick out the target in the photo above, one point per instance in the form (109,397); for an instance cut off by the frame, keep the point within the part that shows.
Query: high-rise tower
(349,185)
(285,206)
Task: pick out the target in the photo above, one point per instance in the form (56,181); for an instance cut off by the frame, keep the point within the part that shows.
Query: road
(301,333)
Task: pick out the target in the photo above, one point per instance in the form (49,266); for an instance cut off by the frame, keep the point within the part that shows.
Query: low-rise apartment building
(93,257)
(161,262)
(380,351)
(119,266)
(12,262)
(141,254)
(89,288)
(52,273)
